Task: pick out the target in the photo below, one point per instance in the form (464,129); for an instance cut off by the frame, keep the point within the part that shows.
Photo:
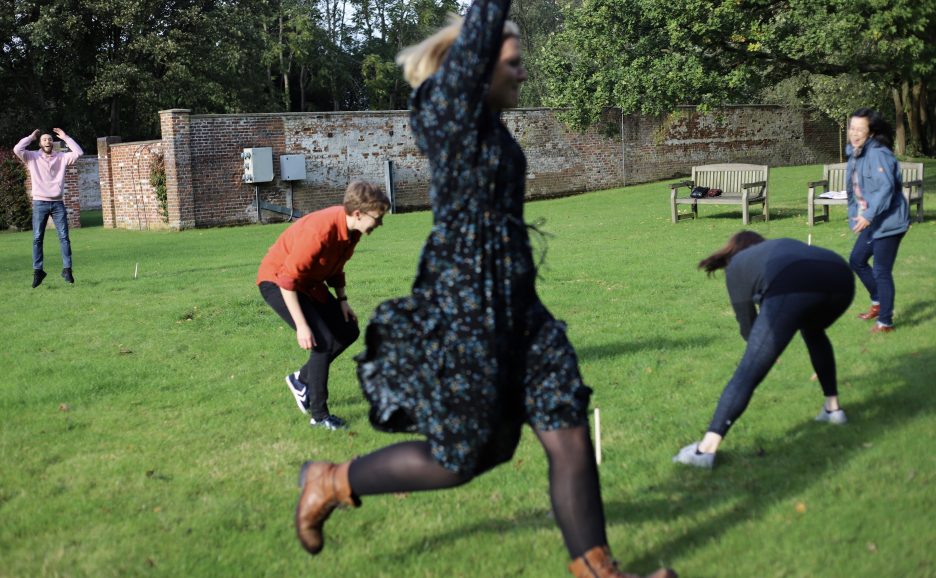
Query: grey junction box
(258,165)
(292,167)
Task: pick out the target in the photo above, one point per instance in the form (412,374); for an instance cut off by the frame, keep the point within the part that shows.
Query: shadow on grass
(776,214)
(91,218)
(606,350)
(743,487)
(918,313)
(747,486)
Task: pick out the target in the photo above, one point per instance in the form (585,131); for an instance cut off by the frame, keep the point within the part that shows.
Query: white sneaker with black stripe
(836,417)
(299,391)
(329,422)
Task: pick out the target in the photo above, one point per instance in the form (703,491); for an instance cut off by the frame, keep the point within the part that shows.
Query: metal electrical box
(292,167)
(258,165)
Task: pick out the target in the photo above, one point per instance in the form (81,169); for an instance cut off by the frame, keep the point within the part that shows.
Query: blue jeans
(780,317)
(877,279)
(41,212)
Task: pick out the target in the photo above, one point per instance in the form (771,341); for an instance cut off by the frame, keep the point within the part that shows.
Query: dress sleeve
(455,94)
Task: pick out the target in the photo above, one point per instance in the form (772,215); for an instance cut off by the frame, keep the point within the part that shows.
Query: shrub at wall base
(15,206)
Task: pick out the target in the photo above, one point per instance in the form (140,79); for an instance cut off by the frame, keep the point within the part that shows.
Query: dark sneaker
(38,276)
(299,391)
(691,456)
(331,422)
(67,275)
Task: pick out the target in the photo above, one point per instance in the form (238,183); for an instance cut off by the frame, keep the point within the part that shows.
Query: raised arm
(459,86)
(74,149)
(20,148)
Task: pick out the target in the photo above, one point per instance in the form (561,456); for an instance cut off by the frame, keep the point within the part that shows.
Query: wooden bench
(741,184)
(833,179)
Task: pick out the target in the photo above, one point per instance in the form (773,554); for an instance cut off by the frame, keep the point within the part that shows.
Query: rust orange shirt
(311,253)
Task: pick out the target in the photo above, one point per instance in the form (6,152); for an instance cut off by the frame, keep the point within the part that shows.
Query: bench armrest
(824,183)
(747,193)
(681,184)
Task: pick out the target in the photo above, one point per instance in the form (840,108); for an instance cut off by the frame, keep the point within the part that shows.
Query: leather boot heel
(598,563)
(324,487)
(871,313)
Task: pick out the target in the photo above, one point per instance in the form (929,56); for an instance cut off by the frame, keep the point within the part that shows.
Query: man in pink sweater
(47,174)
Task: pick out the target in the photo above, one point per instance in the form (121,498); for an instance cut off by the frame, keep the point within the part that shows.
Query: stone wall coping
(135,143)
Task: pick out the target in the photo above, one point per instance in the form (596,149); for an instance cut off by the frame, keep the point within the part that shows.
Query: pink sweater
(47,172)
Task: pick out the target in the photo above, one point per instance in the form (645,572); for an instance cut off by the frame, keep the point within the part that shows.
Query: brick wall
(204,167)
(130,200)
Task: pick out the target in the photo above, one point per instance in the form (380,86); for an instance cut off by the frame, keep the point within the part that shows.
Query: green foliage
(15,208)
(649,56)
(381,78)
(155,437)
(158,181)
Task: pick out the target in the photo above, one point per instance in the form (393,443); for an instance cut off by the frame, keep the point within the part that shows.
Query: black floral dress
(472,354)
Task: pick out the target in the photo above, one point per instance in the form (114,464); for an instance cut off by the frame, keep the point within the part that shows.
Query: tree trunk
(303,76)
(911,98)
(900,138)
(926,122)
(283,70)
(114,116)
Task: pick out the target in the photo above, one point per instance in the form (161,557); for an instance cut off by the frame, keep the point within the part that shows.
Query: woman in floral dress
(472,354)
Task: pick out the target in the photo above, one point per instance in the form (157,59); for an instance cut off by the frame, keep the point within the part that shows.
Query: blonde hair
(420,61)
(365,197)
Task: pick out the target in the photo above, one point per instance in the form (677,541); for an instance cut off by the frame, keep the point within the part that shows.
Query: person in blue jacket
(776,287)
(877,211)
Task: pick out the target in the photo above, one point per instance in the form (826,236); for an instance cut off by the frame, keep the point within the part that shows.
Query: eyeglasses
(378,219)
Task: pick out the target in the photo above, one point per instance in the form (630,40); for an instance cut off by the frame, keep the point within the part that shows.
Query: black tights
(574,488)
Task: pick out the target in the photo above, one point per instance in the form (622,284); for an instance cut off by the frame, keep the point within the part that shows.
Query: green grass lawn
(147,431)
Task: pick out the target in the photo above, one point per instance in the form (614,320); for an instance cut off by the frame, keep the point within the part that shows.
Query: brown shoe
(878,328)
(598,563)
(870,313)
(324,488)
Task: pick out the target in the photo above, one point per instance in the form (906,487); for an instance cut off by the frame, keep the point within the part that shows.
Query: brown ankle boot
(324,488)
(598,563)
(871,313)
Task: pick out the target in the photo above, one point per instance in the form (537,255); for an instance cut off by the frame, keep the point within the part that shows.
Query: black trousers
(332,336)
(780,317)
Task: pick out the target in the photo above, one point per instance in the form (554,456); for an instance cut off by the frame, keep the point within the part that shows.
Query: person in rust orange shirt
(294,276)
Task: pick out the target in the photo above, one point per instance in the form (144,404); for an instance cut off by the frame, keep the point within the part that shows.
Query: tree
(651,55)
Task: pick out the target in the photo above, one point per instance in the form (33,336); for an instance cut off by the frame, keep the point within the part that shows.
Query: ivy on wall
(158,181)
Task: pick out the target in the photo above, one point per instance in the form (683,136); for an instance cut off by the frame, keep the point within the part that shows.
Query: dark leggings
(574,488)
(780,317)
(332,336)
(877,279)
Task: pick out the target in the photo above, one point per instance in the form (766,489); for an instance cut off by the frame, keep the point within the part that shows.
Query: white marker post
(597,437)
(809,240)
(136,270)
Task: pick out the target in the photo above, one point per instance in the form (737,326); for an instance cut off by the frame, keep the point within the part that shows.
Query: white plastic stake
(809,241)
(136,270)
(597,437)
